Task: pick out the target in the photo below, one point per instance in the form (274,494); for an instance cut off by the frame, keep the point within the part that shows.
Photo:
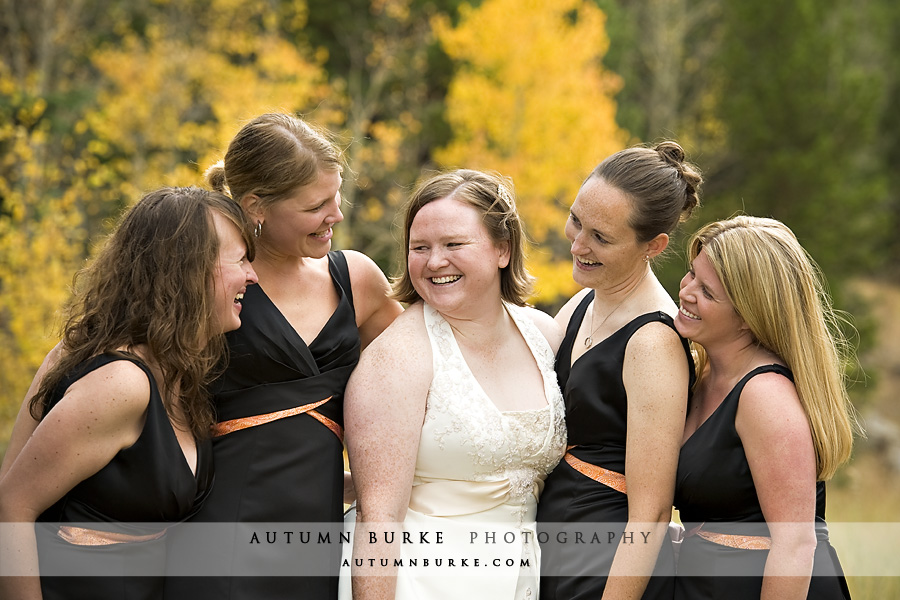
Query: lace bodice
(466,438)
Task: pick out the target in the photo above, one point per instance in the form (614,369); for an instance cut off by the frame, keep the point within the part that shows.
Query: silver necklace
(589,340)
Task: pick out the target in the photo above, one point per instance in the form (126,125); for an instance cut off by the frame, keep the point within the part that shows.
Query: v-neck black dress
(596,418)
(143,490)
(714,487)
(289,470)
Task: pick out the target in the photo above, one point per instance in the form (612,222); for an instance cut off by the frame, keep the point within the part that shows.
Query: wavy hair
(152,284)
(491,195)
(779,291)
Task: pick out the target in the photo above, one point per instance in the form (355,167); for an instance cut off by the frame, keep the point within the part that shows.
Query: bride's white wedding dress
(479,471)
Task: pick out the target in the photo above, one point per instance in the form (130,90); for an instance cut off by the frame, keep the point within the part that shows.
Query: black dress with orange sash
(278,453)
(109,531)
(596,418)
(717,500)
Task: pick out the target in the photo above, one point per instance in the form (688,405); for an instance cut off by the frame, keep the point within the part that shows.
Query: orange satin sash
(226,427)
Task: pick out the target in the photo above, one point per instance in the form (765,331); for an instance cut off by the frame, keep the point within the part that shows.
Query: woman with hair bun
(770,419)
(625,375)
(278,442)
(112,446)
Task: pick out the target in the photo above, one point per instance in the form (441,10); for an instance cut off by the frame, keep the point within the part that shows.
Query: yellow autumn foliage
(169,96)
(168,100)
(532,101)
(41,241)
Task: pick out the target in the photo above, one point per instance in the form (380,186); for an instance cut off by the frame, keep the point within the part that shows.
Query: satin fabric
(478,470)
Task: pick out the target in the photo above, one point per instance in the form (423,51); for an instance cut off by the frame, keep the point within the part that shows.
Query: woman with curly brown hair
(115,429)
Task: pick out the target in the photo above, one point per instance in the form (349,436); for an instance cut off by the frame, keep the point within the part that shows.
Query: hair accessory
(257,231)
(504,195)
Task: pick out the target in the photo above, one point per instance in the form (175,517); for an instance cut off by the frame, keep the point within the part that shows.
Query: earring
(646,258)
(257,231)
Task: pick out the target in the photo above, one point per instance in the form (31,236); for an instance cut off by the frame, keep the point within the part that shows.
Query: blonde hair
(779,291)
(490,194)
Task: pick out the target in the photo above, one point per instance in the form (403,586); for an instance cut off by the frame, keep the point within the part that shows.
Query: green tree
(801,102)
(389,77)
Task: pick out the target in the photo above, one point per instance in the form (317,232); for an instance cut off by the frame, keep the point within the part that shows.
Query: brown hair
(664,189)
(273,156)
(492,195)
(152,283)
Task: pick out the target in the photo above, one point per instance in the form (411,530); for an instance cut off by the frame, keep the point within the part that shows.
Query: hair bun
(215,177)
(671,152)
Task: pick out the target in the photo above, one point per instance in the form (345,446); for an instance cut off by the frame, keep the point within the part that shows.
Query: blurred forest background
(789,108)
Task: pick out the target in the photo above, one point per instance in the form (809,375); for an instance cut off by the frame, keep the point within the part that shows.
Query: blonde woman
(769,421)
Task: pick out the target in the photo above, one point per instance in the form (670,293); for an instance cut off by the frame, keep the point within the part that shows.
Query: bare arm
(99,415)
(25,423)
(374,309)
(383,413)
(656,379)
(779,448)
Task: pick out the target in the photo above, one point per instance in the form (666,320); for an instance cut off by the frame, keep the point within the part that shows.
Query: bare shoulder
(565,313)
(402,350)
(656,339)
(105,407)
(656,369)
(769,402)
(406,331)
(120,386)
(361,266)
(547,325)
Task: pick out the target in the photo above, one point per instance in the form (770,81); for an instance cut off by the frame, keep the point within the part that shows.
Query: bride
(453,416)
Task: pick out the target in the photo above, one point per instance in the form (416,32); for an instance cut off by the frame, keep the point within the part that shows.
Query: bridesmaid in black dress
(625,376)
(769,423)
(278,442)
(115,427)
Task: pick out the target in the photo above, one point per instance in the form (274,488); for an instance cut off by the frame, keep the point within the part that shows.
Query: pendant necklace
(589,340)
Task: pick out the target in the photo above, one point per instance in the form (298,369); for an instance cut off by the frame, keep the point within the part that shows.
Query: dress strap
(340,274)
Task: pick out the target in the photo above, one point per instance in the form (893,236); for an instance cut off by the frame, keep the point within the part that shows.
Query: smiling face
(232,275)
(454,265)
(301,224)
(706,315)
(605,249)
